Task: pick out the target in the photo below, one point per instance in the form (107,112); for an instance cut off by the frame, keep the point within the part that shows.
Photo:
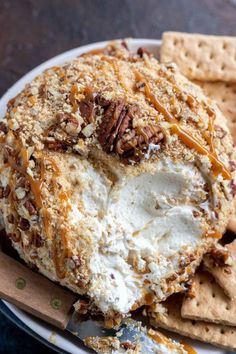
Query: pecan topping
(3,128)
(220,132)
(29,205)
(15,236)
(37,240)
(191,291)
(57,145)
(116,132)
(4,192)
(69,122)
(233,188)
(24,224)
(82,306)
(128,345)
(141,51)
(10,218)
(102,101)
(22,182)
(232,166)
(110,125)
(196,213)
(135,143)
(86,108)
(220,256)
(7,151)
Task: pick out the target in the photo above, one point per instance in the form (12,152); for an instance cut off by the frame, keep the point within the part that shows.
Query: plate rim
(10,311)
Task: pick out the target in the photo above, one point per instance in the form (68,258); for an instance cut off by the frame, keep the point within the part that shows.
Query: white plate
(62,340)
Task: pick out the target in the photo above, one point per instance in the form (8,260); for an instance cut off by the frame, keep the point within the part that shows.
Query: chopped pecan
(196,213)
(233,188)
(102,101)
(171,278)
(24,224)
(220,256)
(22,182)
(82,306)
(72,125)
(3,128)
(4,192)
(191,291)
(220,132)
(29,205)
(8,151)
(232,166)
(141,51)
(11,219)
(15,236)
(124,45)
(37,240)
(86,108)
(128,345)
(57,145)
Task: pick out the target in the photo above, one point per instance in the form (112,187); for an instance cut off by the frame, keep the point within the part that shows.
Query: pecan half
(111,123)
(135,143)
(116,132)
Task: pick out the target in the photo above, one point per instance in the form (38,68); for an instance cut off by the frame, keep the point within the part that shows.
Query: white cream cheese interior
(148,217)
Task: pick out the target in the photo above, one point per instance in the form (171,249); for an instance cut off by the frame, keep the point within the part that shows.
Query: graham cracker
(225,276)
(201,57)
(210,303)
(216,334)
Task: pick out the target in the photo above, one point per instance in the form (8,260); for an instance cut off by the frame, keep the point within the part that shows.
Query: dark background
(32,31)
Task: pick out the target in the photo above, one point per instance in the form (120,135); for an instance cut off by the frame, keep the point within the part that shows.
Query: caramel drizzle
(60,252)
(94,52)
(73,101)
(2,139)
(214,234)
(188,348)
(161,339)
(192,143)
(59,249)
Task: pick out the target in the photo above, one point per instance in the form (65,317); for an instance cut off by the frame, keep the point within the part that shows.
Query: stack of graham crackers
(209,314)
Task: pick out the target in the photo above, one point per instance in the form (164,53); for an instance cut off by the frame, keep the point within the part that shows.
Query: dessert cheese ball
(116,177)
